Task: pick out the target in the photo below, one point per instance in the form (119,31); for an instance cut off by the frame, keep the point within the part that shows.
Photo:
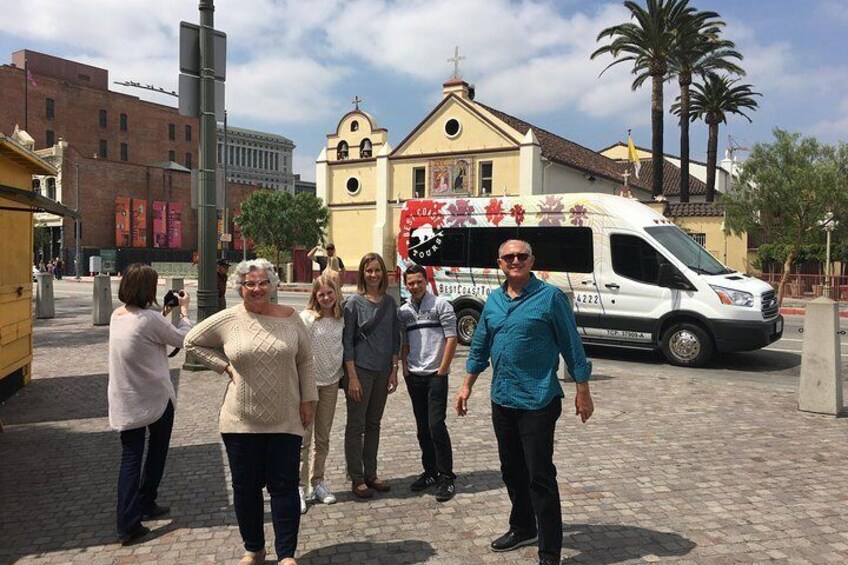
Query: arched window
(36,185)
(51,188)
(354,125)
(342,151)
(365,148)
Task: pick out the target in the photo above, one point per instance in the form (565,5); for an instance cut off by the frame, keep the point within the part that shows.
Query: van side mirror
(670,277)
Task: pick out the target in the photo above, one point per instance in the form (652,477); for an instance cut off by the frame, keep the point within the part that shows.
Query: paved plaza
(674,470)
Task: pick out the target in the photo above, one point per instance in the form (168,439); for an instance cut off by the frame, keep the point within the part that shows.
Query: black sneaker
(424,480)
(134,536)
(549,560)
(155,512)
(445,490)
(513,540)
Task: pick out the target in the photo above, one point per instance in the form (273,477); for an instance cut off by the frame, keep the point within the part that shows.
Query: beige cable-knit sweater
(272,363)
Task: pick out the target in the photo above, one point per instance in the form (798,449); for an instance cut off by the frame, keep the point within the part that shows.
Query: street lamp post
(77,250)
(828,224)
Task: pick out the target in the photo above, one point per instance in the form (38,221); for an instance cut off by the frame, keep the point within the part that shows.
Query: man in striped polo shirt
(525,326)
(428,345)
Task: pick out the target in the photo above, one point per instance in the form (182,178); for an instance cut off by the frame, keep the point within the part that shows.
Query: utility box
(95,265)
(101,309)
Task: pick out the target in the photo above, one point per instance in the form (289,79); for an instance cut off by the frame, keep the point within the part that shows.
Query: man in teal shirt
(525,326)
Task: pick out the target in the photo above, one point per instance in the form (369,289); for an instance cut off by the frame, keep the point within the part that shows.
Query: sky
(293,67)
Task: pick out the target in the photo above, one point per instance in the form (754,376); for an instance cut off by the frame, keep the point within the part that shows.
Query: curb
(797,311)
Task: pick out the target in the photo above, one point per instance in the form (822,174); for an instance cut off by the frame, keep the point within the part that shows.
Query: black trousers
(526,450)
(429,395)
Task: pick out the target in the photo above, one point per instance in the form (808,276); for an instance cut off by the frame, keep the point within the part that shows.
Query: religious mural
(451,177)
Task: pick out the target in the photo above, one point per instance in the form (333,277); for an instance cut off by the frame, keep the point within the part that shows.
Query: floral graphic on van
(419,219)
(495,211)
(517,212)
(461,213)
(579,214)
(552,212)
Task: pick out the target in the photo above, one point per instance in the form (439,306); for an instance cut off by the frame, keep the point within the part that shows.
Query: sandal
(378,484)
(253,558)
(361,490)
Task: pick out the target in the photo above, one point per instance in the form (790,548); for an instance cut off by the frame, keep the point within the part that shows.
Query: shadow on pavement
(607,544)
(475,481)
(396,553)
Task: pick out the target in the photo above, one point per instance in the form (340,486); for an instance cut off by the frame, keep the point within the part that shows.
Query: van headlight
(733,297)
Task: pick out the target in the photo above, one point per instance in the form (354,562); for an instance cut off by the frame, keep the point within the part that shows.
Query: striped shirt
(425,327)
(524,337)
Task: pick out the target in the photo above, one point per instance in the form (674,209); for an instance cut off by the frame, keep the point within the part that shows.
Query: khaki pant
(362,433)
(322,424)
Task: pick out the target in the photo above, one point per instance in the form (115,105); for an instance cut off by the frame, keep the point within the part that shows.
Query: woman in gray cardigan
(371,346)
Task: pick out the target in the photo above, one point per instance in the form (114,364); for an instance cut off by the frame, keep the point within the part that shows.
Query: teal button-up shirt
(525,336)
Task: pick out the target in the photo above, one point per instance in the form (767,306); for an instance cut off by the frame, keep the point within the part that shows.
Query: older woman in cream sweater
(266,351)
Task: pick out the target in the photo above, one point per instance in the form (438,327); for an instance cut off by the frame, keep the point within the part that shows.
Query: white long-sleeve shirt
(139,378)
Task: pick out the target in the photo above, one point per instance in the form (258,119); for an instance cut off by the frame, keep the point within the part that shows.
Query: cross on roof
(455,60)
(357,101)
(626,175)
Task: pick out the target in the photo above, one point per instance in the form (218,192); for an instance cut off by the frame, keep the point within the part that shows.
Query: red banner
(139,223)
(122,221)
(175,226)
(160,225)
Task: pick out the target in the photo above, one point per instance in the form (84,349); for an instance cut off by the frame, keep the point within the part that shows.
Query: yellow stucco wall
(354,138)
(365,172)
(729,249)
(351,230)
(505,170)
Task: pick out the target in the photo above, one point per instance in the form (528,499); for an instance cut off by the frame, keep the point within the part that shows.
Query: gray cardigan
(375,352)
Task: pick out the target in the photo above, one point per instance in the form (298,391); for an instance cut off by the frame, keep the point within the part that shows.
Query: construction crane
(733,146)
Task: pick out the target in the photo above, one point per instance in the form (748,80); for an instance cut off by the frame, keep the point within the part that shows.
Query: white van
(637,280)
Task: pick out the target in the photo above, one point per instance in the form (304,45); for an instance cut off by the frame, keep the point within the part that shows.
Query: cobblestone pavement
(686,470)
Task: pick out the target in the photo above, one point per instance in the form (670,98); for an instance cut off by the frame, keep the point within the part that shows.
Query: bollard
(289,272)
(44,306)
(101,310)
(820,387)
(175,284)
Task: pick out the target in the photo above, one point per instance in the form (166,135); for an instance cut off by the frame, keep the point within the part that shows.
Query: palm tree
(712,101)
(649,43)
(698,50)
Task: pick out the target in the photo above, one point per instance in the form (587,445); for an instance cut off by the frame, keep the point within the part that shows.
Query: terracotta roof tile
(671,179)
(694,209)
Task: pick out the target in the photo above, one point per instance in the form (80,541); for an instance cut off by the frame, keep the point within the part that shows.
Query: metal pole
(77,250)
(207,221)
(826,291)
(224,157)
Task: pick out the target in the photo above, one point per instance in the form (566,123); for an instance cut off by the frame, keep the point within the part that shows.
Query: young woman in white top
(324,318)
(141,395)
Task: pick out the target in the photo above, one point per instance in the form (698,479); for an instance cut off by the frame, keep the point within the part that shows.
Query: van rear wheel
(466,324)
(687,345)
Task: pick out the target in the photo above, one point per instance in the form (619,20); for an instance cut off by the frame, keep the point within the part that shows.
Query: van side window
(560,249)
(445,248)
(634,258)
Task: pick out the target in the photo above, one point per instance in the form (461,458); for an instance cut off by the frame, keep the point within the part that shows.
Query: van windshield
(687,250)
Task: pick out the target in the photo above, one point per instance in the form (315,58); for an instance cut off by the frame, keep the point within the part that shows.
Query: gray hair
(521,241)
(258,264)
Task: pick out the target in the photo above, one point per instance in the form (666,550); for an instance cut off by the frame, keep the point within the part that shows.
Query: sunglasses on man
(510,257)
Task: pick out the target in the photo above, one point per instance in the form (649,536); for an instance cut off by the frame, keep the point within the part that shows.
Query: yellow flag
(633,156)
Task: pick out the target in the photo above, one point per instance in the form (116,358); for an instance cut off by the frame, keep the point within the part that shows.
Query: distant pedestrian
(266,351)
(371,346)
(428,334)
(524,327)
(221,275)
(57,269)
(141,395)
(324,319)
(327,259)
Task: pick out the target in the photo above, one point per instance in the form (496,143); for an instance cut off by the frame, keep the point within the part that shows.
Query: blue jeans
(136,489)
(272,461)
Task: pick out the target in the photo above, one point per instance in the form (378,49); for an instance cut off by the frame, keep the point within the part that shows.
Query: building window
(51,188)
(172,155)
(188,133)
(452,127)
(36,185)
(354,125)
(123,122)
(104,150)
(700,239)
(188,160)
(51,138)
(342,151)
(172,132)
(419,182)
(102,118)
(50,108)
(486,177)
(352,186)
(365,148)
(125,152)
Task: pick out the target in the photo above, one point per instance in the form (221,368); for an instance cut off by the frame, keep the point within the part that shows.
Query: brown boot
(361,490)
(378,484)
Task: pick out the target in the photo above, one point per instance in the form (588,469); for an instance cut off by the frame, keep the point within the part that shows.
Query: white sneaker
(303,507)
(322,494)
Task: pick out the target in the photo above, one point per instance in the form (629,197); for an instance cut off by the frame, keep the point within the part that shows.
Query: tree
(280,220)
(785,188)
(650,44)
(698,49)
(712,101)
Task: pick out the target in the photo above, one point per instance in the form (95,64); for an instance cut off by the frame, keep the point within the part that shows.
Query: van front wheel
(687,345)
(466,324)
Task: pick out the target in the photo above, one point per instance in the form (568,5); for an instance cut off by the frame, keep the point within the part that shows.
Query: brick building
(106,145)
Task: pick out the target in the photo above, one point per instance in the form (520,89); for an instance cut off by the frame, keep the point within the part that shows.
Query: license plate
(778,326)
